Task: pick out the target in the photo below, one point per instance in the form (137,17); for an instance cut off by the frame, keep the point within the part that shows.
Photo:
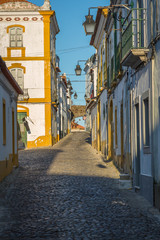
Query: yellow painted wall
(110,132)
(46,140)
(6,165)
(103,147)
(98,126)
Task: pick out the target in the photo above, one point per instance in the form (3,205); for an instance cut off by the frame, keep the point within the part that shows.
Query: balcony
(134,51)
(25,95)
(118,68)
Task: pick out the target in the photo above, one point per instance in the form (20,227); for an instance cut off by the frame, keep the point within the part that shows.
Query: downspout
(152,109)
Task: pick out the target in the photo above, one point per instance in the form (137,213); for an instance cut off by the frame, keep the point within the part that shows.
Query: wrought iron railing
(133,30)
(25,95)
(118,59)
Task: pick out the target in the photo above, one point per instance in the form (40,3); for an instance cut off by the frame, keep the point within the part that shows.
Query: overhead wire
(62,51)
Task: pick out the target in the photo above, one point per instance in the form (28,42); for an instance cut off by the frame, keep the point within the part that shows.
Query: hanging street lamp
(78,69)
(75,95)
(89,24)
(69,84)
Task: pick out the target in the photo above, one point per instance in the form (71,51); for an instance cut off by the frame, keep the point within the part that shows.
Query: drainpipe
(152,109)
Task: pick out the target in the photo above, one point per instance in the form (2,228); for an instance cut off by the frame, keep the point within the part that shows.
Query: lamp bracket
(111,7)
(81,61)
(122,6)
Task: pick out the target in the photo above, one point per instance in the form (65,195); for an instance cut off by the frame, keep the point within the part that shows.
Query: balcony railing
(118,59)
(25,95)
(133,31)
(112,69)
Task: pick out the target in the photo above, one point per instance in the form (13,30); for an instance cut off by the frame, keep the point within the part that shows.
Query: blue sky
(72,44)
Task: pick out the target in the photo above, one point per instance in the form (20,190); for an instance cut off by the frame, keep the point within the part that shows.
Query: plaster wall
(156,114)
(33,47)
(93,125)
(101,51)
(6,90)
(118,100)
(100,32)
(141,85)
(63,110)
(36,124)
(33,77)
(103,100)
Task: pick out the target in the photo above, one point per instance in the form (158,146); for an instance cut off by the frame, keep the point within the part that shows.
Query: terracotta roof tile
(5,1)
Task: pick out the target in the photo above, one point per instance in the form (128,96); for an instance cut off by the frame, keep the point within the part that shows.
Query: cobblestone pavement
(68,192)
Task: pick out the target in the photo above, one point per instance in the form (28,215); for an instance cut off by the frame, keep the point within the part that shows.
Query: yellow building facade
(28,46)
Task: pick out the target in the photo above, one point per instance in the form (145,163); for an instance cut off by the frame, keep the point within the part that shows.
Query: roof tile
(6,1)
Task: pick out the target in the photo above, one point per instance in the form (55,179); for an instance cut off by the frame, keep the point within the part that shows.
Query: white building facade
(98,40)
(127,110)
(27,44)
(64,107)
(9,91)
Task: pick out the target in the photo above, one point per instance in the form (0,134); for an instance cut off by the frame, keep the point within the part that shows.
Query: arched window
(16,37)
(18,75)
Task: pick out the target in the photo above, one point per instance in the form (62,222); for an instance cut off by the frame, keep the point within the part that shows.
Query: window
(141,23)
(4,122)
(16,37)
(104,112)
(146,122)
(18,75)
(116,139)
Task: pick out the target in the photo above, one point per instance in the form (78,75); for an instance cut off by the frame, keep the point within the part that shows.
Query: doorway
(13,133)
(122,149)
(137,145)
(23,132)
(110,131)
(99,126)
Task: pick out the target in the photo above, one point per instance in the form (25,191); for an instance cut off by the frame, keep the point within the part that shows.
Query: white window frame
(17,78)
(146,123)
(16,39)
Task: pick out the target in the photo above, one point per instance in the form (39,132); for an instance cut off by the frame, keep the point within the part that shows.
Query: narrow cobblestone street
(68,192)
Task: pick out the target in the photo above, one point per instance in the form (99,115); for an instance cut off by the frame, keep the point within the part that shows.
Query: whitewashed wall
(141,84)
(103,100)
(33,78)
(156,114)
(94,118)
(33,48)
(6,90)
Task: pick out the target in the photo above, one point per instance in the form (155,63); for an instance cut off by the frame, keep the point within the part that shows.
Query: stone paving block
(68,192)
